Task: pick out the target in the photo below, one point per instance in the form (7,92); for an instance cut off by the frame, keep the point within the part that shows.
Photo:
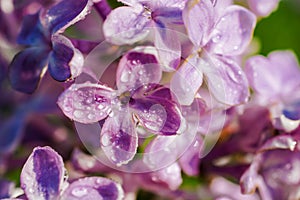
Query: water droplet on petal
(67,108)
(78,113)
(154,178)
(216,38)
(79,192)
(100,106)
(31,190)
(105,140)
(113,158)
(111,114)
(125,77)
(91,116)
(99,181)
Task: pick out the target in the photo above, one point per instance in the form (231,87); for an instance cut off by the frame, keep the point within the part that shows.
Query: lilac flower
(275,170)
(46,48)
(263,8)
(217,35)
(276,90)
(132,23)
(139,100)
(43,177)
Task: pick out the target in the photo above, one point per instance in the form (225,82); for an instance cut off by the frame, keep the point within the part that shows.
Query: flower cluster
(168,97)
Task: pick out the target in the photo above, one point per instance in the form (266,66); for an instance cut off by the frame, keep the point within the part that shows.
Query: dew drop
(154,178)
(125,77)
(216,38)
(141,72)
(113,158)
(91,116)
(100,106)
(79,192)
(105,140)
(99,181)
(31,190)
(67,108)
(89,100)
(78,113)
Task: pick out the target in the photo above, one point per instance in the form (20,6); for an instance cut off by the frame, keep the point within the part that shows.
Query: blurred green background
(281,30)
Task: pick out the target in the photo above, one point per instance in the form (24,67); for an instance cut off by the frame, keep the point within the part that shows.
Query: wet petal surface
(86,103)
(42,175)
(119,138)
(93,188)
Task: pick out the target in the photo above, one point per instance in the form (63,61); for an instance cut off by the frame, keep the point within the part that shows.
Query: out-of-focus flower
(263,8)
(165,181)
(276,82)
(275,170)
(139,100)
(44,177)
(218,35)
(132,23)
(46,47)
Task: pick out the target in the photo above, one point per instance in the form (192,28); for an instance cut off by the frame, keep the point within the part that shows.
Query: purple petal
(103,8)
(162,151)
(233,32)
(87,163)
(27,68)
(226,80)
(287,69)
(32,32)
(199,30)
(94,188)
(66,13)
(263,8)
(169,176)
(187,81)
(155,111)
(168,47)
(190,161)
(126,25)
(138,67)
(167,15)
(65,62)
(43,174)
(283,80)
(119,138)
(86,103)
(258,70)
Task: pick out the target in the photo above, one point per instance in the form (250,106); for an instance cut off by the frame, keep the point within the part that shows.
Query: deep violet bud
(46,48)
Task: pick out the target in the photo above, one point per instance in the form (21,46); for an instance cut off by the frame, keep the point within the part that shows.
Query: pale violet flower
(217,35)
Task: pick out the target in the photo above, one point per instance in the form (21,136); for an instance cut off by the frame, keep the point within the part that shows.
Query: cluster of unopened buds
(167,97)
